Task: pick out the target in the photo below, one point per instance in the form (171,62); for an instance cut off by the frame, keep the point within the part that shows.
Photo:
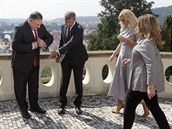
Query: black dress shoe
(78,110)
(25,114)
(61,111)
(38,110)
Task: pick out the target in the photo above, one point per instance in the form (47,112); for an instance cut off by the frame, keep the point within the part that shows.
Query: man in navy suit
(72,55)
(27,40)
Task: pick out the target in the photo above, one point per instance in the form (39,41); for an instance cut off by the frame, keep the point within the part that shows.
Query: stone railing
(93,82)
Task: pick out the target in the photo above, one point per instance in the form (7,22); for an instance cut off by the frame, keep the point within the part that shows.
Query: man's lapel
(73,28)
(29,30)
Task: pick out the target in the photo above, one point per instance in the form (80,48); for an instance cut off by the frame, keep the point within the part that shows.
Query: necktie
(67,32)
(36,35)
(35,62)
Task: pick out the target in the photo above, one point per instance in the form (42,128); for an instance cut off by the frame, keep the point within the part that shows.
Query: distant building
(7,34)
(5,46)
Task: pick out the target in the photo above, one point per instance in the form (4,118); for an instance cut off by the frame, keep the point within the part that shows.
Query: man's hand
(34,45)
(53,54)
(41,43)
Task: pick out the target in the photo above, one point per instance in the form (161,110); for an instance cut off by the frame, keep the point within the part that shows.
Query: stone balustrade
(93,82)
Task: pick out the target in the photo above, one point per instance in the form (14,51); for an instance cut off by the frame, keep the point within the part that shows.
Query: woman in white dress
(119,86)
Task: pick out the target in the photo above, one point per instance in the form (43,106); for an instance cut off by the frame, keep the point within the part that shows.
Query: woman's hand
(125,61)
(121,38)
(151,91)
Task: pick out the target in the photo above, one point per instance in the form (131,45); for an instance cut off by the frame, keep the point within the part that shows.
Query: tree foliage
(105,39)
(167,34)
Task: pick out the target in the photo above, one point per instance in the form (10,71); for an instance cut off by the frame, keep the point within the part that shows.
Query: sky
(51,9)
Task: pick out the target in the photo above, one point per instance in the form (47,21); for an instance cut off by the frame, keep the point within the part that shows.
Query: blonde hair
(149,27)
(128,15)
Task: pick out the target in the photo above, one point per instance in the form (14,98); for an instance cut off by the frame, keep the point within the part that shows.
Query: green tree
(105,39)
(167,34)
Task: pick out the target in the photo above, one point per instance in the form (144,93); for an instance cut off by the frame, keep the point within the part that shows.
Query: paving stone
(96,115)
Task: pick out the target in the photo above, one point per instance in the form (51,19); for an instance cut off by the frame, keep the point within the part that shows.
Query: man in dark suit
(27,40)
(74,55)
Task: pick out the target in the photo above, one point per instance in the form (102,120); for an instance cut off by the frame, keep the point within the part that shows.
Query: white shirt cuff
(32,47)
(58,52)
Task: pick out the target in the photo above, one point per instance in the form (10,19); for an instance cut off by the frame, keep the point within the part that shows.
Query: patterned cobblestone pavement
(96,115)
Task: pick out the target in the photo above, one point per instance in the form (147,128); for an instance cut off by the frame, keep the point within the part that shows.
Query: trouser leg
(66,73)
(133,98)
(78,71)
(20,82)
(33,86)
(157,112)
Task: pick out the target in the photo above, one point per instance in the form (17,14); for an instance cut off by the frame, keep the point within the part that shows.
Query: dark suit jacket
(23,55)
(73,45)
